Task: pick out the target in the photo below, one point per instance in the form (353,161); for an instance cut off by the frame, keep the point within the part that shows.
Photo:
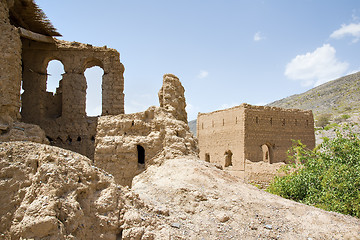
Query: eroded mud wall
(10,68)
(62,114)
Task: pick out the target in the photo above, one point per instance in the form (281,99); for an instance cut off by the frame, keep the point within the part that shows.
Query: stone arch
(38,101)
(228,158)
(267,153)
(94,71)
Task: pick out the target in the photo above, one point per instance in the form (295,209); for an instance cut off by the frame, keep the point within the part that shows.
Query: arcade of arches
(62,114)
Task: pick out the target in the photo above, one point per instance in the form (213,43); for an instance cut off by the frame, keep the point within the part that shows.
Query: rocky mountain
(192,126)
(336,97)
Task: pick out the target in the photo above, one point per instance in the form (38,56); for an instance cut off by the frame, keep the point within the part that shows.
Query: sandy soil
(204,202)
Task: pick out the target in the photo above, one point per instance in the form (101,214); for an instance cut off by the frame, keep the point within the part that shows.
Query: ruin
(28,46)
(239,137)
(127,143)
(122,144)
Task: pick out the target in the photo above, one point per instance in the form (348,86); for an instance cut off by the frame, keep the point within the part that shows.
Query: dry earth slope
(204,202)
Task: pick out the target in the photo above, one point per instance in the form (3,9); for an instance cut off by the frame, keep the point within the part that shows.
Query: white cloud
(203,74)
(258,37)
(315,68)
(352,29)
(353,71)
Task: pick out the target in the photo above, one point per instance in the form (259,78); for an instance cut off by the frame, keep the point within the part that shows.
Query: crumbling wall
(172,98)
(62,115)
(258,134)
(19,131)
(127,144)
(10,68)
(221,138)
(51,193)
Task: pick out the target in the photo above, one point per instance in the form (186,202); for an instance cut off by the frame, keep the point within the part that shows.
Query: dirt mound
(51,193)
(204,202)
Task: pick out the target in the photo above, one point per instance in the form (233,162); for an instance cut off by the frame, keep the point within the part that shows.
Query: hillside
(192,126)
(336,97)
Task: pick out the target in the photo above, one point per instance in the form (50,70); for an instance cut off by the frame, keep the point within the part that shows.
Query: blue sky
(224,52)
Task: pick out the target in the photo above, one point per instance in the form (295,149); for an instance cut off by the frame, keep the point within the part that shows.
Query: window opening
(207,157)
(228,158)
(267,153)
(54,70)
(93,77)
(141,154)
(271,122)
(257,120)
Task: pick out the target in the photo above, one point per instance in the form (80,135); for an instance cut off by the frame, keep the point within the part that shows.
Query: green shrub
(322,120)
(327,177)
(330,126)
(345,116)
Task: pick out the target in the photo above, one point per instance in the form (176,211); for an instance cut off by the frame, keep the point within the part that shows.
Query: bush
(323,120)
(327,177)
(330,126)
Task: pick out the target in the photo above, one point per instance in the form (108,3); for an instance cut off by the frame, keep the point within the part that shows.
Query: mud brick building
(259,134)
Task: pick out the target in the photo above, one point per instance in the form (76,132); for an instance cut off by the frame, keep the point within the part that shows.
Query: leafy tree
(327,177)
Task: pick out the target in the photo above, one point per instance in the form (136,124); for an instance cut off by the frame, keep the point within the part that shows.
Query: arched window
(267,153)
(54,70)
(93,77)
(53,101)
(141,154)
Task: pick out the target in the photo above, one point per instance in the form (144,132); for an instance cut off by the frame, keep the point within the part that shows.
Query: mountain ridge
(335,97)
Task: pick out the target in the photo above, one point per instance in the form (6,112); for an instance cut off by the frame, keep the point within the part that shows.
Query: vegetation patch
(327,177)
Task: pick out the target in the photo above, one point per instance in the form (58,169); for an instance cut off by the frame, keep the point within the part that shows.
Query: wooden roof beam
(35,36)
